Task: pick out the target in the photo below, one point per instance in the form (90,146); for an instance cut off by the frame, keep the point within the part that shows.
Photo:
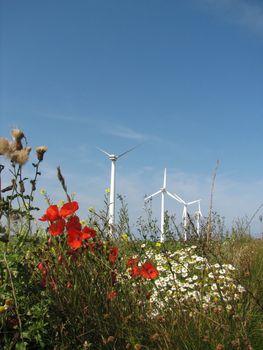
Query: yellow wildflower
(125,237)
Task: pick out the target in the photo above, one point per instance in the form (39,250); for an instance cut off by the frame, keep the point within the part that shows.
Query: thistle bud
(8,188)
(4,146)
(21,186)
(20,157)
(17,134)
(41,150)
(33,183)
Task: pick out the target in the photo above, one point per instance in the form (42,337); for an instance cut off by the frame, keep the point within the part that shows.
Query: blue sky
(184,78)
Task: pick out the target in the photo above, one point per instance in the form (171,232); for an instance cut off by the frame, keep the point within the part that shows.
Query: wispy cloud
(251,15)
(125,132)
(132,134)
(67,118)
(248,13)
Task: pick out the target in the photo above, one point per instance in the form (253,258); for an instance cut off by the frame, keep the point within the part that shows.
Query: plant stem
(209,228)
(14,296)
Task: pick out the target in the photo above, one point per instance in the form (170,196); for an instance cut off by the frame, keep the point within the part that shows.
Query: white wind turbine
(198,216)
(113,159)
(185,213)
(163,191)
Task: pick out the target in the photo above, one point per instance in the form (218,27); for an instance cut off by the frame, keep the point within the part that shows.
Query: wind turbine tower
(113,158)
(185,214)
(163,191)
(198,216)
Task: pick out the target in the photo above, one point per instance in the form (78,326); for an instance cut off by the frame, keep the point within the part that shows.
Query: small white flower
(199,258)
(241,289)
(214,286)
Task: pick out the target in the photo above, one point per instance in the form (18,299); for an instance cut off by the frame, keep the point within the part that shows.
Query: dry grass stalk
(209,228)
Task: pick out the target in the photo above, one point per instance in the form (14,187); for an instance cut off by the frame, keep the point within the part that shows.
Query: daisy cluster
(187,278)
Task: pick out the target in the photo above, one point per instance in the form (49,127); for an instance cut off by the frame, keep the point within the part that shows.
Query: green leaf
(21,345)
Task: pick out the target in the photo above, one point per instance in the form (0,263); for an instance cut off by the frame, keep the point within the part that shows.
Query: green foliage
(97,297)
(26,299)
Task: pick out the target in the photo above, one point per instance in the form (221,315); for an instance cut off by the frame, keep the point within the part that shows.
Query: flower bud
(20,157)
(17,134)
(4,146)
(41,150)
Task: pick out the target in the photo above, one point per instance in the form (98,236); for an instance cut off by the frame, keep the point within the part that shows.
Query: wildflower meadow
(68,282)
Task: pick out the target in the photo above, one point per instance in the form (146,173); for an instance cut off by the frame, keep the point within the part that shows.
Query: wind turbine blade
(199,210)
(102,150)
(189,203)
(164,178)
(129,150)
(179,198)
(175,197)
(152,195)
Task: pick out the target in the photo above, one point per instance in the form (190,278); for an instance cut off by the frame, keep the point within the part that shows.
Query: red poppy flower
(68,209)
(132,262)
(88,233)
(111,295)
(113,255)
(135,271)
(40,266)
(74,238)
(51,214)
(148,271)
(57,227)
(74,223)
